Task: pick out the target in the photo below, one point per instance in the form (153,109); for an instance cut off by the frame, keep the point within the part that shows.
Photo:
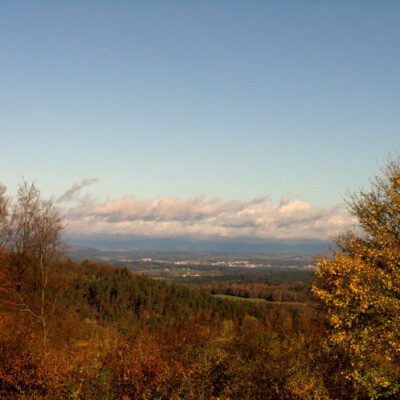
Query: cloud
(200,217)
(70,193)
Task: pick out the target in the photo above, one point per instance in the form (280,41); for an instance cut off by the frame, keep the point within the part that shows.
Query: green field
(229,297)
(257,300)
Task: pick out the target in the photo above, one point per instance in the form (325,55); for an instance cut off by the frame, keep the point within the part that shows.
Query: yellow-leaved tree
(359,289)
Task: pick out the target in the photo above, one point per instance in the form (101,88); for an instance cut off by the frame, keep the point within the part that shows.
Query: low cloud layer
(200,217)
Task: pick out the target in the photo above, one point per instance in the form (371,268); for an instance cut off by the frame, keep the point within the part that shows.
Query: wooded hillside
(91,331)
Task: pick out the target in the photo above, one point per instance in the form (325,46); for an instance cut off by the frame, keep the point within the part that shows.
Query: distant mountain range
(228,246)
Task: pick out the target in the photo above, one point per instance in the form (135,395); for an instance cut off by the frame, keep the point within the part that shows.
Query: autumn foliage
(90,331)
(359,289)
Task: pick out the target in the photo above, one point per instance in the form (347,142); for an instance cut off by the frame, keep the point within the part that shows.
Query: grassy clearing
(257,300)
(229,297)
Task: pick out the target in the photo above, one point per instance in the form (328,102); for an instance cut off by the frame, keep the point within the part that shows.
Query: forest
(93,331)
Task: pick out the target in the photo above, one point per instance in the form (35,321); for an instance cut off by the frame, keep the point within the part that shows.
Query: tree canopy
(359,289)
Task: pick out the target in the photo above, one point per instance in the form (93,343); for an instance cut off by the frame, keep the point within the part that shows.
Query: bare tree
(4,201)
(47,247)
(22,230)
(32,237)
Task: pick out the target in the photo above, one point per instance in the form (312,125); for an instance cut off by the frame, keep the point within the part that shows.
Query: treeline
(277,285)
(267,276)
(112,294)
(278,293)
(108,293)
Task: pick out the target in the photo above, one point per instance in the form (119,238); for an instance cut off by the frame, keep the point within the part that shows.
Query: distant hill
(223,246)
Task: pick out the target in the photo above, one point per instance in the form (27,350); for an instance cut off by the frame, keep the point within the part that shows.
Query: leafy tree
(359,288)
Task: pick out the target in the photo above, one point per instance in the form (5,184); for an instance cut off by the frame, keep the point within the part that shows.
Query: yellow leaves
(359,287)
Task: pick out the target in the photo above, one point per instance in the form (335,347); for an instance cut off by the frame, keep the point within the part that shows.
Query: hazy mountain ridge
(231,246)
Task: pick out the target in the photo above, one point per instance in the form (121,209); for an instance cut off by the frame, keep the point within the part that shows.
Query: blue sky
(228,99)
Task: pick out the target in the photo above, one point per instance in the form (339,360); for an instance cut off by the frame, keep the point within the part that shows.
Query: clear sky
(224,99)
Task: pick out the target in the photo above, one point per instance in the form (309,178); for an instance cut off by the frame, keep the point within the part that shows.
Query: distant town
(177,265)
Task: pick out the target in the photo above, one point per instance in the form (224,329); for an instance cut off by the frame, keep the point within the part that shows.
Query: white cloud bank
(204,218)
